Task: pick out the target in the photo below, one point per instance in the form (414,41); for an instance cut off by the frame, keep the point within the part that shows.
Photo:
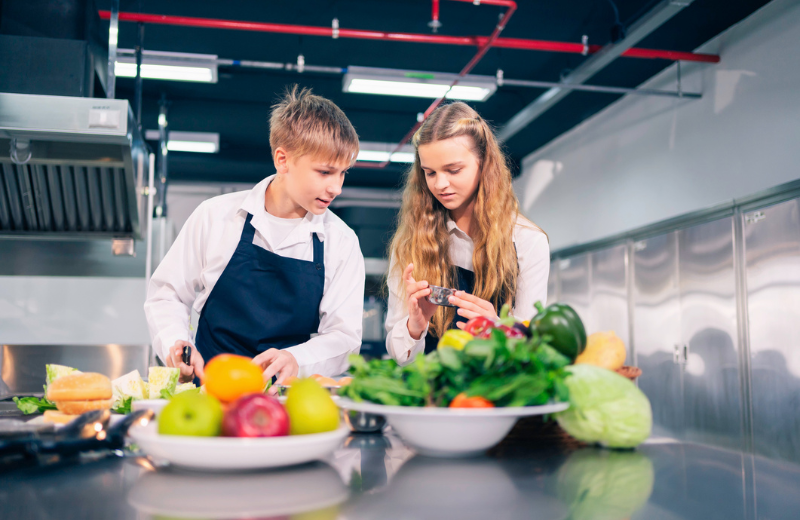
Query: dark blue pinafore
(262,300)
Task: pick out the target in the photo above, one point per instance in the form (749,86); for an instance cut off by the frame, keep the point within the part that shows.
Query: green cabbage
(605,408)
(605,485)
(56,371)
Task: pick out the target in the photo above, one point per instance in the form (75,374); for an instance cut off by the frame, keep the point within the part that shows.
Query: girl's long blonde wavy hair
(422,237)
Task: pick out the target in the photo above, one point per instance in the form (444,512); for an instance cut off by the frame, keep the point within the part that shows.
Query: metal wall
(710,310)
(772,260)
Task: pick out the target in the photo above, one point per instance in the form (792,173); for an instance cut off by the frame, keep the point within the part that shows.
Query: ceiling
(238,105)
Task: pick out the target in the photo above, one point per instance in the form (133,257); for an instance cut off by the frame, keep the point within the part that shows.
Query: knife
(186,357)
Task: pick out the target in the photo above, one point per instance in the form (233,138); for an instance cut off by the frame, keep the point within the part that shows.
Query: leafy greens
(506,371)
(29,405)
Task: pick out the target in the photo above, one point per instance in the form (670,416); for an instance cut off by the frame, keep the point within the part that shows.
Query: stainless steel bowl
(363,422)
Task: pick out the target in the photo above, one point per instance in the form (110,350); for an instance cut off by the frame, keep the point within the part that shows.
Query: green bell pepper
(563,325)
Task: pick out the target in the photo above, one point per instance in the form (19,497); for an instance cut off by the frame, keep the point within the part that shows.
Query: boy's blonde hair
(305,124)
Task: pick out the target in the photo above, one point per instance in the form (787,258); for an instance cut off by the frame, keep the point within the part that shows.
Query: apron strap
(248,232)
(319,253)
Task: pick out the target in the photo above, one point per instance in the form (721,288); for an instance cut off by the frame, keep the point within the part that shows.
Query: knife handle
(186,357)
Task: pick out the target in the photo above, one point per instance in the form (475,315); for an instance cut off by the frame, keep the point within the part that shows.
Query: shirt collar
(452,227)
(254,204)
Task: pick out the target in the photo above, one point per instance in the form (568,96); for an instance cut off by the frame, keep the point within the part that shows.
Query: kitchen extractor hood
(70,167)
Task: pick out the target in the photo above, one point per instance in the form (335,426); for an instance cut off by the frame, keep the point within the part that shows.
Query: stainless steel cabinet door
(656,331)
(772,250)
(574,280)
(609,294)
(711,380)
(552,283)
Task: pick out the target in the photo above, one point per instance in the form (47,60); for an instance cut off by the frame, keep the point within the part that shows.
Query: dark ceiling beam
(645,25)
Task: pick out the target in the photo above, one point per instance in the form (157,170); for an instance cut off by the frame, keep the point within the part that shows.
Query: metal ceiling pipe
(512,6)
(113,36)
(477,41)
(644,26)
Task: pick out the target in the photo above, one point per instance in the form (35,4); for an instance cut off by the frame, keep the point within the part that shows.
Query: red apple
(255,415)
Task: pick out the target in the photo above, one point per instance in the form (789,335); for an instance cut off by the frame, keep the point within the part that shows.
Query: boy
(269,267)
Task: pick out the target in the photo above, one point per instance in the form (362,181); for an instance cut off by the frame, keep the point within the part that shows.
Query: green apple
(190,413)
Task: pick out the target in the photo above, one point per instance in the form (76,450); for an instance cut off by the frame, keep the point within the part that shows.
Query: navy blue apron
(261,301)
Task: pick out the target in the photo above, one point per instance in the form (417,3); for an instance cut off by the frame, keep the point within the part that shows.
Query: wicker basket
(538,434)
(630,372)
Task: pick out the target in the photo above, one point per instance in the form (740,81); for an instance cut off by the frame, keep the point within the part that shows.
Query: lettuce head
(605,408)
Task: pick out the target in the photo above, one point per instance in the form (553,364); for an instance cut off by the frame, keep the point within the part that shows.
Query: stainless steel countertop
(378,477)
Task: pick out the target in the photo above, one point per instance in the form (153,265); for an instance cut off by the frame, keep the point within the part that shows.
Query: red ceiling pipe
(478,41)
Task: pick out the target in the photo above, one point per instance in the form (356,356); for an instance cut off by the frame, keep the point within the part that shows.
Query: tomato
(462,401)
(228,377)
(478,326)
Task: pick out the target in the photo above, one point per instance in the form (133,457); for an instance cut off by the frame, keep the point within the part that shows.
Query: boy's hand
(275,361)
(190,371)
(420,310)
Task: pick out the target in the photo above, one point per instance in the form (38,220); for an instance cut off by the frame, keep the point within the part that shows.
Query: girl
(459,227)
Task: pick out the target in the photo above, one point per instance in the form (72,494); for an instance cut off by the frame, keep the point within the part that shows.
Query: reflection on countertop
(377,476)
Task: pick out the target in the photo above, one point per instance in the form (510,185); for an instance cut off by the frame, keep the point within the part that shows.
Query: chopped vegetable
(56,371)
(564,327)
(123,406)
(605,408)
(504,371)
(162,378)
(129,385)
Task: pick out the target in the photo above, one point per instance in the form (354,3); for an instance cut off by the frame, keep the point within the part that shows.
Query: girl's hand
(275,361)
(470,306)
(420,310)
(190,371)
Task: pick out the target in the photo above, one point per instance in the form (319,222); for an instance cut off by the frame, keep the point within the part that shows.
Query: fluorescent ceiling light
(380,152)
(407,83)
(201,142)
(175,66)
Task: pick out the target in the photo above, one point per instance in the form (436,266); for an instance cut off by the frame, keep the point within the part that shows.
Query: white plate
(253,494)
(232,453)
(156,405)
(115,417)
(451,432)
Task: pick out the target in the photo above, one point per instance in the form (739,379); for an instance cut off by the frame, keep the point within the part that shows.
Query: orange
(228,377)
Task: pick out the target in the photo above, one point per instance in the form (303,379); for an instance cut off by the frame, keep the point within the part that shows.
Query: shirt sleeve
(534,269)
(399,343)
(341,313)
(175,284)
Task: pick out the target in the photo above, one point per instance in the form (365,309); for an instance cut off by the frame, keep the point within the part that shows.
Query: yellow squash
(603,349)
